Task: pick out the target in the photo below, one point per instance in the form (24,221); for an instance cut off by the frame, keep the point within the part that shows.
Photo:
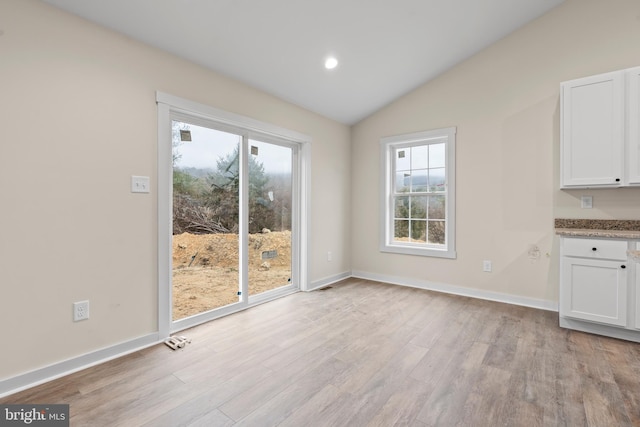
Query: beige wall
(505,104)
(78,114)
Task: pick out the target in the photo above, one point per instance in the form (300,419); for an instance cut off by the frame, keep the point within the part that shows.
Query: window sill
(427,252)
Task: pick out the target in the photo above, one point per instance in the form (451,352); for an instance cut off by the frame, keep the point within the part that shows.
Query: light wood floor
(359,354)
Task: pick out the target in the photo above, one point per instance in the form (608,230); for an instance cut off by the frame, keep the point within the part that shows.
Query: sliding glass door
(206,213)
(234,203)
(270,212)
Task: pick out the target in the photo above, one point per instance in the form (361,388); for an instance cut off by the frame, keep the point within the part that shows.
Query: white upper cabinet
(633,126)
(592,131)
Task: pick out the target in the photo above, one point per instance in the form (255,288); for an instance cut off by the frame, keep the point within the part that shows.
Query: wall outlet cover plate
(586,202)
(139,184)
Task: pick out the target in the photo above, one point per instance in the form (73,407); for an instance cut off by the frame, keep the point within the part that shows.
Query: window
(418,204)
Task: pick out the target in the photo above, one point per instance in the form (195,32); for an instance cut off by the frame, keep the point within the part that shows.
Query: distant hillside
(196,172)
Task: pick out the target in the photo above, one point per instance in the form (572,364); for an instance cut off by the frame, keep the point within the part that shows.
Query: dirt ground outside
(205,269)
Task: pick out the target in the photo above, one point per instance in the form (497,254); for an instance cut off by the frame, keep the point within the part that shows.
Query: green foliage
(184,183)
(415,222)
(414,208)
(224,192)
(206,201)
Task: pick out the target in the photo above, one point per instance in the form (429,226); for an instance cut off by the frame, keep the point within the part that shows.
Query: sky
(208,145)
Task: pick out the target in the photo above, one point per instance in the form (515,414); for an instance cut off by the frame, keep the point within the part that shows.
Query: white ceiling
(386,48)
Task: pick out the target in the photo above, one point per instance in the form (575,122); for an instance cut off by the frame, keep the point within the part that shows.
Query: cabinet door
(592,131)
(633,125)
(594,290)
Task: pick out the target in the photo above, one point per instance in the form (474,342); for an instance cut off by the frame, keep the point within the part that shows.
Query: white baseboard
(317,284)
(459,290)
(48,373)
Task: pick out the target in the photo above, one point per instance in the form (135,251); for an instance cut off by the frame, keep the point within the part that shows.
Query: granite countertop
(607,228)
(586,232)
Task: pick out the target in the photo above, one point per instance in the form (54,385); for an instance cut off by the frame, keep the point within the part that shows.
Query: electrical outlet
(80,310)
(329,256)
(486,266)
(586,202)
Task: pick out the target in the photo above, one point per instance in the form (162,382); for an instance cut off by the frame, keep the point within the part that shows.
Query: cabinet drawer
(595,248)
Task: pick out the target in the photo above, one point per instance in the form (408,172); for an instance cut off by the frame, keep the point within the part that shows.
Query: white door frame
(169,105)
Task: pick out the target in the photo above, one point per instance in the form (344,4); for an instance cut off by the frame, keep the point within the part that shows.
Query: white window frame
(388,147)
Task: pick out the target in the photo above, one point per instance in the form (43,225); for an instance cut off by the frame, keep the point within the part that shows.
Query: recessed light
(330,63)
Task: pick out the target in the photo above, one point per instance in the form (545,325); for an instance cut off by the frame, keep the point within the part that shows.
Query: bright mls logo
(34,415)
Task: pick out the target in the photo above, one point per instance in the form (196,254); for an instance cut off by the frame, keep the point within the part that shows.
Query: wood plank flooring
(364,353)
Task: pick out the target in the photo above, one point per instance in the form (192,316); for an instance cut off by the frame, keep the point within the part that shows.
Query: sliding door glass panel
(206,189)
(270,225)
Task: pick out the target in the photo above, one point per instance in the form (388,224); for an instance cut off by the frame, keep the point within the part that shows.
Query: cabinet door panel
(592,131)
(633,125)
(594,290)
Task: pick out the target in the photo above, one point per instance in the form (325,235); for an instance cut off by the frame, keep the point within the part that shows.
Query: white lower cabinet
(594,290)
(599,287)
(637,289)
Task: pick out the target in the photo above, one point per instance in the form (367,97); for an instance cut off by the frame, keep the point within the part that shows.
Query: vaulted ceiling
(385,48)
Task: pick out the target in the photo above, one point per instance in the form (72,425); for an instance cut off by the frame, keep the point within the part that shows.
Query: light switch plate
(586,202)
(139,184)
